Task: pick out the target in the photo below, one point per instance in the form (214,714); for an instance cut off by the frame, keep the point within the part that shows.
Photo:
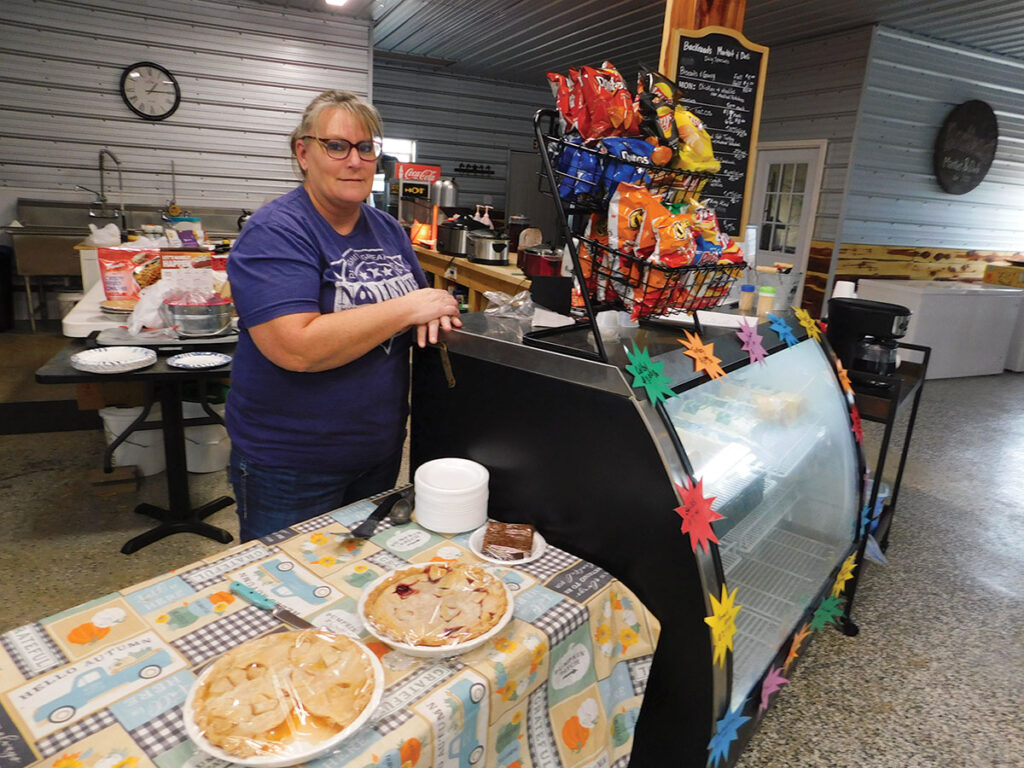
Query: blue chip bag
(708,252)
(629,150)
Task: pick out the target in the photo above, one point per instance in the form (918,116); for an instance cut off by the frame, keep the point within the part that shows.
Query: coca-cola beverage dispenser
(409,191)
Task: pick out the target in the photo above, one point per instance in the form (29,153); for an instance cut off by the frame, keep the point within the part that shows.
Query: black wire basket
(646,289)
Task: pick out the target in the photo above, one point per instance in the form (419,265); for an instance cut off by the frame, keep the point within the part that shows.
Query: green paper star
(831,608)
(647,374)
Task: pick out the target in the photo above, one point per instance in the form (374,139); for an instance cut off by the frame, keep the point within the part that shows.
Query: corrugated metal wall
(893,197)
(458,119)
(812,91)
(246,71)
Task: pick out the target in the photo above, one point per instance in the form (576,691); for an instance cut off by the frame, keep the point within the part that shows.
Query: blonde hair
(365,113)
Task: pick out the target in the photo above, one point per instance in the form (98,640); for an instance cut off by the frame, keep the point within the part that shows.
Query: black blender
(863,334)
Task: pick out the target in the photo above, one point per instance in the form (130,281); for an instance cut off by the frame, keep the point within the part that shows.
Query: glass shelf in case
(772,444)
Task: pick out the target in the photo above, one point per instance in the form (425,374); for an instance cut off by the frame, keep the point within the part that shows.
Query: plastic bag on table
(150,312)
(288,695)
(519,307)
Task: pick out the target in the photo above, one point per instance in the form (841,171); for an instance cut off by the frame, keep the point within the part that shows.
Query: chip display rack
(613,279)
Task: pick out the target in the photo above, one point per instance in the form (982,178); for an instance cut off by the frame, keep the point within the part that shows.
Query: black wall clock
(965,147)
(150,91)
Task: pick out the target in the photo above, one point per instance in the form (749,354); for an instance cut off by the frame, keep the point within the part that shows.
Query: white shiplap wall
(893,198)
(812,90)
(246,72)
(458,119)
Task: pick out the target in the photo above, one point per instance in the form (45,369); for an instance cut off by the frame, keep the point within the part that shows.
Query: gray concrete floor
(933,680)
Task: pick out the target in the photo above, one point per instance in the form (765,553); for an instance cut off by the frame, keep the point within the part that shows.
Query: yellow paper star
(844,575)
(703,355)
(809,323)
(844,377)
(723,624)
(798,640)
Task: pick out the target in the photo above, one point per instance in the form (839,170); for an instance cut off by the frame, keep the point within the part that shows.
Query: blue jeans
(272,498)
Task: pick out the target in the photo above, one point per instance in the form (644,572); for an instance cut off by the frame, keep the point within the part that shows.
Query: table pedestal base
(169,524)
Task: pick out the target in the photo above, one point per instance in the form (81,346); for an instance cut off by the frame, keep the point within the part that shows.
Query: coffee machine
(863,334)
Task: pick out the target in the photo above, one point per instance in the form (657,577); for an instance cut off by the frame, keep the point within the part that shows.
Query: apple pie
(437,604)
(282,688)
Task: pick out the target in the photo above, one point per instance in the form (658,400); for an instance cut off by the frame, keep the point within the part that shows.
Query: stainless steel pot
(453,238)
(489,248)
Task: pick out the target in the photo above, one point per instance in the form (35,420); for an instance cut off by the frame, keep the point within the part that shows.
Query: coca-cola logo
(427,173)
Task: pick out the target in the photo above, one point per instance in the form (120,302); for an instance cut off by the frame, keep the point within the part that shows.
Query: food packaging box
(1011,276)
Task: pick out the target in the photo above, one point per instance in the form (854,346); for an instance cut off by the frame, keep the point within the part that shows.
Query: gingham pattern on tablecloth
(639,671)
(554,560)
(51,745)
(562,620)
(160,734)
(224,634)
(17,655)
(386,725)
(203,575)
(386,560)
(622,762)
(313,524)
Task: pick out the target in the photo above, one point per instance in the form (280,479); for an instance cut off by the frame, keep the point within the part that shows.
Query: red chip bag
(580,117)
(560,90)
(607,101)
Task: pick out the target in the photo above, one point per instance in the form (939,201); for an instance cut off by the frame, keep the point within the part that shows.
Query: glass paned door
(785,197)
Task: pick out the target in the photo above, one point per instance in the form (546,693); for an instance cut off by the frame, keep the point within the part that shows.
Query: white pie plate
(476,543)
(427,651)
(197,360)
(113,359)
(299,752)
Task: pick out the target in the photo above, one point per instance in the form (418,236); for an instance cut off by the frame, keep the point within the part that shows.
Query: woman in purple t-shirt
(328,291)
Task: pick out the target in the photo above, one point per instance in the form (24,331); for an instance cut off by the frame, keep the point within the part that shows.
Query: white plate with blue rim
(113,359)
(197,360)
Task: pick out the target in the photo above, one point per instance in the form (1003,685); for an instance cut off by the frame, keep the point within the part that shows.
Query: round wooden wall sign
(965,147)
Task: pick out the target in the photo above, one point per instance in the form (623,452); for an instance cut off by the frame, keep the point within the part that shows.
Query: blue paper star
(726,731)
(782,328)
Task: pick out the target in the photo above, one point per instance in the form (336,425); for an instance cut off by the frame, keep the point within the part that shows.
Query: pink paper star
(773,681)
(753,342)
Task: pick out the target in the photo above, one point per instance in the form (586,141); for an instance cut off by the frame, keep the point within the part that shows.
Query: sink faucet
(120,186)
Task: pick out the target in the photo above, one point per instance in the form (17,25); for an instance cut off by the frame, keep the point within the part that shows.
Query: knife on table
(278,611)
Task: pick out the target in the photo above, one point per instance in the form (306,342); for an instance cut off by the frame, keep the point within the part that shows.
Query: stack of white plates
(451,495)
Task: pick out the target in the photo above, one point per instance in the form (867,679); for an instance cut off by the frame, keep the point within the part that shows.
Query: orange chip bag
(626,212)
(124,272)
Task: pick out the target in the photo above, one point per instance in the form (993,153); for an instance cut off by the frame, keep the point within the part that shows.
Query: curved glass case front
(772,444)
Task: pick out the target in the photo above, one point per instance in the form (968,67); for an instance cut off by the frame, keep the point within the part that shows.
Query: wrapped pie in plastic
(436,606)
(283,698)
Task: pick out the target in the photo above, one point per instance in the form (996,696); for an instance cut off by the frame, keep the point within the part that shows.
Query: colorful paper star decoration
(782,328)
(726,731)
(703,355)
(830,609)
(753,342)
(844,378)
(844,575)
(723,624)
(794,648)
(808,322)
(647,374)
(866,518)
(773,681)
(697,515)
(855,424)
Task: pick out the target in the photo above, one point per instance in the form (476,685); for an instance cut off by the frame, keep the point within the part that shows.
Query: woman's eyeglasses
(340,149)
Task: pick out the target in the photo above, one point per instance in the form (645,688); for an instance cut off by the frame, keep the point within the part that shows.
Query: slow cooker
(488,248)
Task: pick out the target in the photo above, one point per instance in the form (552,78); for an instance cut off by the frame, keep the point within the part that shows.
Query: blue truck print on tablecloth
(290,585)
(94,682)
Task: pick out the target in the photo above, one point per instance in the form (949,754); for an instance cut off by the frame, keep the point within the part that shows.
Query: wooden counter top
(478,278)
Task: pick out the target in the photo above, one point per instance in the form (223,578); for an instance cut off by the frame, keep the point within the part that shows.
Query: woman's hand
(428,331)
(432,309)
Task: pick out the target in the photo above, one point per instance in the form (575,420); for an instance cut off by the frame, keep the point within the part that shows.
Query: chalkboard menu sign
(965,147)
(722,74)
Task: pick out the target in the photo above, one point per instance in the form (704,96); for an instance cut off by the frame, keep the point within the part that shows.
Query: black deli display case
(574,449)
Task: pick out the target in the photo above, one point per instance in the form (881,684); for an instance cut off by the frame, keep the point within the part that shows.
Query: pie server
(276,609)
(397,504)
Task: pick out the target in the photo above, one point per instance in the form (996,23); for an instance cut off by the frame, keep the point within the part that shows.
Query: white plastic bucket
(143,448)
(208,447)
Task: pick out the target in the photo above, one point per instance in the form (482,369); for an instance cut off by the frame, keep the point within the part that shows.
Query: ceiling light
(335,2)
